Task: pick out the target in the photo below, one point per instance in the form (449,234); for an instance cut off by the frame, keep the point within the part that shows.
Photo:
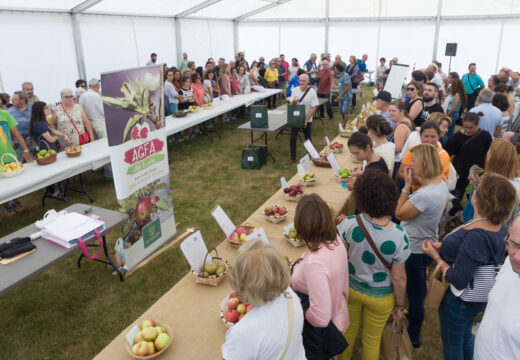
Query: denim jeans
(327,104)
(454,121)
(294,135)
(456,326)
(416,291)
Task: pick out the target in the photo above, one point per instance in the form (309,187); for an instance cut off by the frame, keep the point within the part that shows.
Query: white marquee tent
(54,42)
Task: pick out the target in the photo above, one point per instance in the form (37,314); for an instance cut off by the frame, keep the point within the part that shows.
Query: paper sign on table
(375,92)
(195,250)
(306,163)
(311,149)
(258,234)
(333,162)
(130,336)
(355,128)
(340,127)
(287,228)
(327,140)
(301,170)
(363,108)
(223,220)
(284,183)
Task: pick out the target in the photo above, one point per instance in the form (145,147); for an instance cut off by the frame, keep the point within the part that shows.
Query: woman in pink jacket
(322,276)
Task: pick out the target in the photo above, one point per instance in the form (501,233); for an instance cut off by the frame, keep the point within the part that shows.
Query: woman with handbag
(470,257)
(355,75)
(420,214)
(320,278)
(377,251)
(273,328)
(71,120)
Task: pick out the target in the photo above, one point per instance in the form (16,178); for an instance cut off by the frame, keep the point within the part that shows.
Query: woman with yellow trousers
(377,251)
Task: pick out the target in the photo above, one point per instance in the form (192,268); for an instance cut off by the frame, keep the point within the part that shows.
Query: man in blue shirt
(362,63)
(311,69)
(21,111)
(473,84)
(490,116)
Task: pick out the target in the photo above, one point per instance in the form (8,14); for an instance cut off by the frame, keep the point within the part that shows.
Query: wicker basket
(310,183)
(342,179)
(345,134)
(213,280)
(157,354)
(293,242)
(337,150)
(248,228)
(73,154)
(183,114)
(49,159)
(14,173)
(321,163)
(292,198)
(276,220)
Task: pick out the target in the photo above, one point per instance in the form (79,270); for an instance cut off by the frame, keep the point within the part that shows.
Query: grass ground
(71,313)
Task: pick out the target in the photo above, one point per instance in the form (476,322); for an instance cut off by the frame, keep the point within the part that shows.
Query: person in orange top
(430,134)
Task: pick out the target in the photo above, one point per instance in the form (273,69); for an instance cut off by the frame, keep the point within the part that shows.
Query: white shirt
(292,71)
(387,152)
(92,103)
(413,139)
(437,79)
(310,100)
(262,333)
(498,335)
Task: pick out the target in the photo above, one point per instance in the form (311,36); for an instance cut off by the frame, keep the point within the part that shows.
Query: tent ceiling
(280,9)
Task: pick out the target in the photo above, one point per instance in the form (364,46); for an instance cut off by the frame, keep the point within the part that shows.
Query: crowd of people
(444,149)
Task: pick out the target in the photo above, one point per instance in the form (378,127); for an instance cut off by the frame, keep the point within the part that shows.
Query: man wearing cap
(383,100)
(92,103)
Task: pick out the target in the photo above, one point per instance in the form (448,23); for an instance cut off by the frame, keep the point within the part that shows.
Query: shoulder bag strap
(290,311)
(371,242)
(472,137)
(305,93)
(72,122)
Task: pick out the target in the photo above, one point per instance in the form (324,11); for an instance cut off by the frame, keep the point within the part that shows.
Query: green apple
(134,349)
(241,308)
(142,349)
(151,348)
(148,323)
(162,341)
(149,333)
(210,268)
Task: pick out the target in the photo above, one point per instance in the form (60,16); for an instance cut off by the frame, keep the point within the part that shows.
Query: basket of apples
(151,341)
(276,213)
(336,147)
(344,175)
(291,236)
(14,168)
(232,310)
(73,151)
(346,133)
(238,237)
(309,179)
(321,162)
(293,192)
(211,273)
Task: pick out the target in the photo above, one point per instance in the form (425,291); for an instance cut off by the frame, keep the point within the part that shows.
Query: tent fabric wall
(301,39)
(40,50)
(156,36)
(203,39)
(249,35)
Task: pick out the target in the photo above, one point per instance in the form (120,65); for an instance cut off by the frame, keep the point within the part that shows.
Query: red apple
(138,338)
(148,323)
(162,341)
(233,303)
(134,348)
(231,315)
(240,230)
(142,349)
(234,237)
(249,307)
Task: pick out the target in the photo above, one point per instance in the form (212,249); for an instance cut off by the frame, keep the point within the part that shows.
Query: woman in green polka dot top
(375,292)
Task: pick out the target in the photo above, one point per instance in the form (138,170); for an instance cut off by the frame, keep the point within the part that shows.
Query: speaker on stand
(451,50)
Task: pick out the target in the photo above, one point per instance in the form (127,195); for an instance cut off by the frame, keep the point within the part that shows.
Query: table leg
(267,148)
(108,260)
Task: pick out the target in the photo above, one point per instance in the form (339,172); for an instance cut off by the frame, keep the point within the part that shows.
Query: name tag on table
(334,163)
(283,183)
(311,149)
(327,140)
(300,168)
(306,163)
(195,250)
(260,235)
(223,220)
(340,127)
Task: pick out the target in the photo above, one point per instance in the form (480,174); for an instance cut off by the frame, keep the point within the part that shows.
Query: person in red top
(325,80)
(234,82)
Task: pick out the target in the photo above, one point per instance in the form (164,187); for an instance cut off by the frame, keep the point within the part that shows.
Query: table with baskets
(192,309)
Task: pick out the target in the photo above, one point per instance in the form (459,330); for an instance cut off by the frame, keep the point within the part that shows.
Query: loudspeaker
(451,49)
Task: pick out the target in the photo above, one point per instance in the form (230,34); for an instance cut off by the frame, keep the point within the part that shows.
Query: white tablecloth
(96,155)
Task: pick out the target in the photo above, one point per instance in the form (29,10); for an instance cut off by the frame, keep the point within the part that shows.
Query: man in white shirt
(92,103)
(490,116)
(510,77)
(437,79)
(303,95)
(498,337)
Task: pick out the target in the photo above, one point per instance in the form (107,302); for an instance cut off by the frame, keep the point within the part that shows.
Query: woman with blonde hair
(320,277)
(420,213)
(261,278)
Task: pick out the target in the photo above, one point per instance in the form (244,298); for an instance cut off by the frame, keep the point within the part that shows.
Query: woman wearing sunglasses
(414,106)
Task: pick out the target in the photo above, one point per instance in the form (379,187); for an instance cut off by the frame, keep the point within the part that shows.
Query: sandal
(9,211)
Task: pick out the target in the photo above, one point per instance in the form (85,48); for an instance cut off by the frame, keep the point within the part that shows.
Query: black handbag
(320,343)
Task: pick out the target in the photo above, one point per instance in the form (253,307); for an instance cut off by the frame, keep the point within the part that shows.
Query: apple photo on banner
(133,103)
(144,206)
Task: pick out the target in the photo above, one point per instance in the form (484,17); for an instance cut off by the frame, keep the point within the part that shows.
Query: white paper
(283,183)
(287,228)
(375,92)
(333,163)
(306,163)
(260,235)
(130,336)
(296,113)
(355,128)
(250,158)
(195,250)
(363,108)
(327,140)
(364,164)
(311,149)
(340,127)
(301,170)
(223,220)
(258,115)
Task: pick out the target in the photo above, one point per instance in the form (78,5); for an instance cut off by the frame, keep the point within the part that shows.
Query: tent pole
(379,11)
(499,45)
(178,41)
(327,26)
(235,35)
(437,28)
(78,47)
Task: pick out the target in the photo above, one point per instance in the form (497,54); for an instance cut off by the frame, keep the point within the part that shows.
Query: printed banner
(134,115)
